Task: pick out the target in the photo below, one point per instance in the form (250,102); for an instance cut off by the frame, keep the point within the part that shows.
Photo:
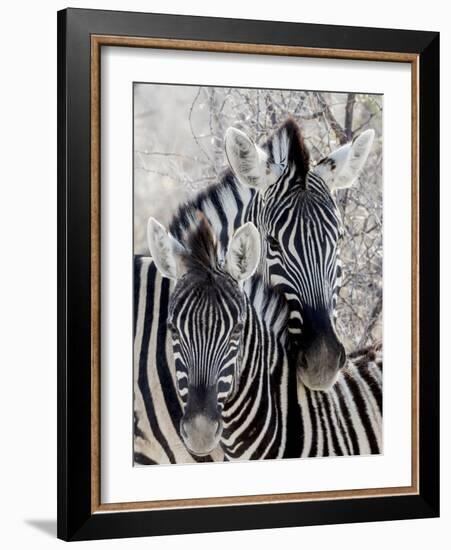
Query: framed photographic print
(248,274)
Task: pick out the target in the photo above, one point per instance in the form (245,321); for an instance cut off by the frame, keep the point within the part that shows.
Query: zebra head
(206,319)
(300,225)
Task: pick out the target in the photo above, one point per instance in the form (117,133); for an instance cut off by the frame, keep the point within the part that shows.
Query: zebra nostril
(342,358)
(218,428)
(183,429)
(302,360)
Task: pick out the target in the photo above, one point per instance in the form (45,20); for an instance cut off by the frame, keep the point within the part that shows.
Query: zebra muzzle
(200,433)
(318,367)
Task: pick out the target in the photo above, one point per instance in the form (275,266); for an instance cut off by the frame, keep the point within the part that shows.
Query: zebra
(300,223)
(281,166)
(157,405)
(232,366)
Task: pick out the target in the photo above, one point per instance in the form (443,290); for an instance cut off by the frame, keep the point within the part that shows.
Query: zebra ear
(341,168)
(165,250)
(243,254)
(248,162)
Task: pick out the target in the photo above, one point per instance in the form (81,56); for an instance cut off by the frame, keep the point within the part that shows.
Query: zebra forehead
(199,291)
(291,189)
(305,213)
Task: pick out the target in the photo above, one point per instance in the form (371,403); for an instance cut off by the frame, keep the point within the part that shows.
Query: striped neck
(224,204)
(254,421)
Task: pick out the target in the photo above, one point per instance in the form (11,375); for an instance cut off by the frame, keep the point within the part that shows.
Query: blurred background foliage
(179,150)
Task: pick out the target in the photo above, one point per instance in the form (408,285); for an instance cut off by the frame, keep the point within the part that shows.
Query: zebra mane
(218,195)
(269,304)
(287,146)
(200,252)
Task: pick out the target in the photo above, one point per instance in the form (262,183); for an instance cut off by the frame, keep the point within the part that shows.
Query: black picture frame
(76,519)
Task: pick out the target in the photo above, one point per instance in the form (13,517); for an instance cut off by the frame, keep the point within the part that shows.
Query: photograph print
(257,273)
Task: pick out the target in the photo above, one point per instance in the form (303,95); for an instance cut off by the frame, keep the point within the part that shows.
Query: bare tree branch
(329,116)
(349,114)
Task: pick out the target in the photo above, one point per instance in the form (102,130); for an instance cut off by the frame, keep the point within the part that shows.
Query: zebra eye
(237,329)
(171,327)
(274,243)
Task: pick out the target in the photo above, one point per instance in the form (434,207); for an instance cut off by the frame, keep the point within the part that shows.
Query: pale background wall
(28,272)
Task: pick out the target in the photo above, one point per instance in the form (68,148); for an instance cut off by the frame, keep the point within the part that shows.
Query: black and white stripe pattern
(230,355)
(225,205)
(300,226)
(262,418)
(254,416)
(346,420)
(297,215)
(157,404)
